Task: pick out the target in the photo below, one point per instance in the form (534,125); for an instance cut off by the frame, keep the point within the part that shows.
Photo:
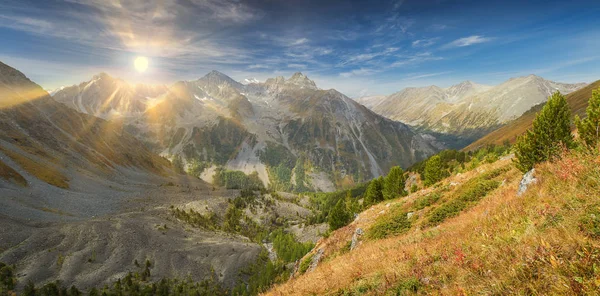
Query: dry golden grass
(529,245)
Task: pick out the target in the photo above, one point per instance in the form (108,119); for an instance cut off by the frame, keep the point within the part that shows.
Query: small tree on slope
(338,217)
(433,170)
(589,127)
(374,193)
(551,131)
(393,185)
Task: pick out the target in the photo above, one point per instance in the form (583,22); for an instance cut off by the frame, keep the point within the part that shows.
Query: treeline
(134,284)
(447,162)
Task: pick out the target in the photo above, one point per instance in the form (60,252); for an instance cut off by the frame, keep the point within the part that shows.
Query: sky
(357,47)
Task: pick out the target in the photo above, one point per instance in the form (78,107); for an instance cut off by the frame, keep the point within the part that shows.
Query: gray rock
(527,180)
(357,234)
(315,260)
(409,215)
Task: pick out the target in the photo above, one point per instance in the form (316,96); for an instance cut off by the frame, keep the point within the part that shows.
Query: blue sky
(359,48)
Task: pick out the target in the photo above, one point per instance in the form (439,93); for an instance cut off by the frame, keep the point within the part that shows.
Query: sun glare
(141,64)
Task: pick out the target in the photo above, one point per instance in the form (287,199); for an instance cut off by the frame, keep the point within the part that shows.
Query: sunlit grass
(544,242)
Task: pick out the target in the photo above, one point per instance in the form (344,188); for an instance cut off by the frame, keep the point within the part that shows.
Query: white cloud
(467,41)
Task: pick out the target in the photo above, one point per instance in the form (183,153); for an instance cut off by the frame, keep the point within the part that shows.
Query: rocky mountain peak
(218,78)
(302,81)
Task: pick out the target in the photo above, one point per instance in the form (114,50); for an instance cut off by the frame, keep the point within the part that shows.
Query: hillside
(84,202)
(468,110)
(577,100)
(469,234)
(294,135)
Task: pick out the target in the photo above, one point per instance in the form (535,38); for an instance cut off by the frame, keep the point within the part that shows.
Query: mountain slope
(577,101)
(293,134)
(454,240)
(468,109)
(51,142)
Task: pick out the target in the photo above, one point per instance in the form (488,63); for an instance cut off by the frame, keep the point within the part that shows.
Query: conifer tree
(551,131)
(374,192)
(338,217)
(589,127)
(394,183)
(433,170)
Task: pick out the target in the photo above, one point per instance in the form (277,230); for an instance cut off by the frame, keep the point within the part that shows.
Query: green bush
(468,194)
(427,200)
(393,224)
(305,264)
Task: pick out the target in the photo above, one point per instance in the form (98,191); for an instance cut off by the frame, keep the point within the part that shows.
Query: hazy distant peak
(249,81)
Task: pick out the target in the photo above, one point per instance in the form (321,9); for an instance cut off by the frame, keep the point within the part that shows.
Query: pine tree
(352,206)
(394,183)
(374,192)
(551,131)
(433,170)
(589,127)
(338,217)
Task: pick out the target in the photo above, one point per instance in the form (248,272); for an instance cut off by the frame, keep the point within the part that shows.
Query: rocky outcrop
(357,234)
(316,259)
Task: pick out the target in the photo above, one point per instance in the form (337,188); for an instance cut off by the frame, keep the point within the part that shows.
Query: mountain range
(467,110)
(293,134)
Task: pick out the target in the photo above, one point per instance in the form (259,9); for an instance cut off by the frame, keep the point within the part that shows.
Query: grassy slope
(577,100)
(539,243)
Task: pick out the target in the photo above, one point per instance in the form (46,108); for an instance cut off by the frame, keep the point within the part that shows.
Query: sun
(141,64)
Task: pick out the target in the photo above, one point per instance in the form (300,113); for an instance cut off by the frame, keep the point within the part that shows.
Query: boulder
(527,180)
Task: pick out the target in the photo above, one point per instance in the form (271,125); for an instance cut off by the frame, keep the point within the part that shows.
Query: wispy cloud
(425,42)
(299,42)
(467,41)
(426,75)
(258,66)
(415,59)
(358,72)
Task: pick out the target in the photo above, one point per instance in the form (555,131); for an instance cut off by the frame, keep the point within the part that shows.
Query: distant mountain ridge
(577,100)
(467,109)
(293,134)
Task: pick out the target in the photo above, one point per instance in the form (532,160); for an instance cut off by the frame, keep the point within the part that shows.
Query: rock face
(357,234)
(527,180)
(280,128)
(467,109)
